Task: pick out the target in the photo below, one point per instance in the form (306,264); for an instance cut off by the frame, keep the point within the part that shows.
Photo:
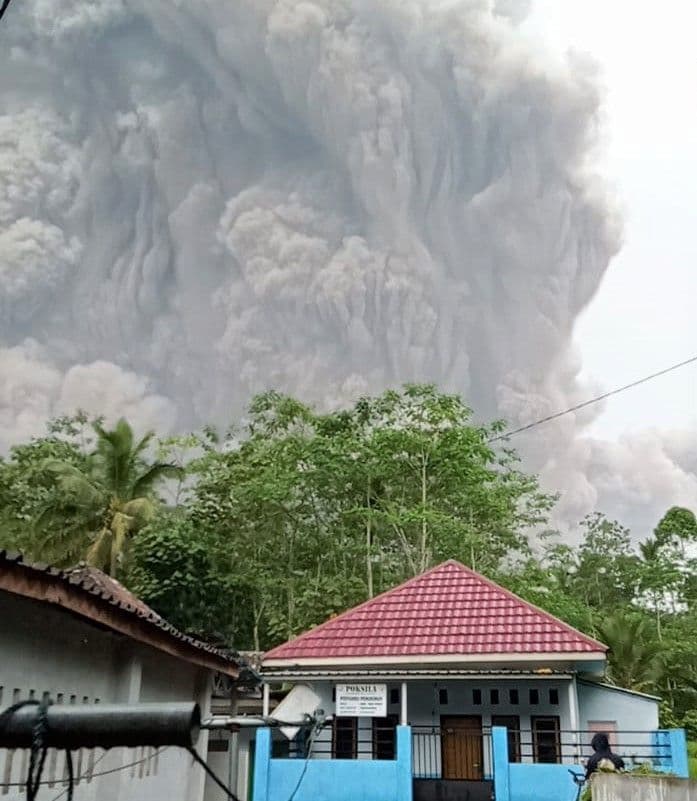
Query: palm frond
(146,482)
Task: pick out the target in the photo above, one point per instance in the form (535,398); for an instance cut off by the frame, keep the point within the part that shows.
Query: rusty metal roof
(92,594)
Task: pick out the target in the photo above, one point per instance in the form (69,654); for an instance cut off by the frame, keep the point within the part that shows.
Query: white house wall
(425,710)
(634,716)
(46,651)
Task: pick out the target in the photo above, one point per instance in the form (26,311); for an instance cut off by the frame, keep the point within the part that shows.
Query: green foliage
(692,757)
(294,516)
(74,496)
(352,502)
(173,569)
(636,656)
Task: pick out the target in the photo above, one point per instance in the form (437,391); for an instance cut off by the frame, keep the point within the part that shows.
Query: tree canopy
(254,535)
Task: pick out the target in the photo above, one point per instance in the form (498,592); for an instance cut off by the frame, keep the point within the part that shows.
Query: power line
(597,399)
(202,762)
(89,775)
(4,7)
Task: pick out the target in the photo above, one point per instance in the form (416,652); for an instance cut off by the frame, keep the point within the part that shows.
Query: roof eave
(48,585)
(421,660)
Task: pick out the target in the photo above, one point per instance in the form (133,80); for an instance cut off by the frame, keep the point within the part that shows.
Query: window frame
(556,731)
(382,726)
(514,753)
(345,726)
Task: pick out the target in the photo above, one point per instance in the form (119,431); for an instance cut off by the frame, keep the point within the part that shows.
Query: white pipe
(267,700)
(403,705)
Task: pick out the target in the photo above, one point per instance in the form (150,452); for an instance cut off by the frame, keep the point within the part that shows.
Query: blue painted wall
(535,782)
(333,779)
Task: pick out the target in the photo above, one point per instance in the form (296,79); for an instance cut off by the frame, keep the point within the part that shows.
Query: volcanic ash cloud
(327,197)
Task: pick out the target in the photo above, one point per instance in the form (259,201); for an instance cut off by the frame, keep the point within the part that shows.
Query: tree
(25,488)
(635,658)
(96,506)
(175,569)
(677,527)
(323,510)
(603,570)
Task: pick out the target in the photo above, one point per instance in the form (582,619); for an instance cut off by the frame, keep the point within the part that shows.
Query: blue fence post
(662,760)
(262,759)
(678,753)
(405,782)
(499,748)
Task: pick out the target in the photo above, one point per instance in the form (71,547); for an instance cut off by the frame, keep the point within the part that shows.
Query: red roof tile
(447,611)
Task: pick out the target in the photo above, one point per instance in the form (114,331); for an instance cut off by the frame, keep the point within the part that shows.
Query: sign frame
(359,700)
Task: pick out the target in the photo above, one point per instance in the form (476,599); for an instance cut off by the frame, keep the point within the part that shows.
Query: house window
(554,697)
(512,723)
(384,737)
(443,697)
(513,697)
(494,696)
(477,697)
(344,738)
(545,739)
(534,697)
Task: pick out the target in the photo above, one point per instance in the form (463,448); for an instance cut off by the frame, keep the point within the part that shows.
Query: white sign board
(361,700)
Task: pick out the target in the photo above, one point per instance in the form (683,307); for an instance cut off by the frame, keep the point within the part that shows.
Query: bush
(692,753)
(641,770)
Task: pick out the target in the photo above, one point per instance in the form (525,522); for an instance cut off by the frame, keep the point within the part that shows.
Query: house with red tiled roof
(455,678)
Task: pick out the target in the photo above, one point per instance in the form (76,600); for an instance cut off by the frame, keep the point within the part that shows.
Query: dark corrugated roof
(96,584)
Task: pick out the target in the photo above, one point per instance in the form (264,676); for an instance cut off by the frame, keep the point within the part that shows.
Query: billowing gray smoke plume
(202,200)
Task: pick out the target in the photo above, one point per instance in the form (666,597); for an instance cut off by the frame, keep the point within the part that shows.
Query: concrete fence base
(607,787)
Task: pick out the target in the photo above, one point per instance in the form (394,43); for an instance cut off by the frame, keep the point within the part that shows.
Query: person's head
(600,742)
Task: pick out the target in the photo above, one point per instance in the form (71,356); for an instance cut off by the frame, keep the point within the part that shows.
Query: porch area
(451,762)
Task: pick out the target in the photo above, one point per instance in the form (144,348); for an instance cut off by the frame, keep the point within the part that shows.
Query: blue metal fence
(521,780)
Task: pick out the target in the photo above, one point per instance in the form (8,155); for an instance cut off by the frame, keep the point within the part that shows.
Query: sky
(643,317)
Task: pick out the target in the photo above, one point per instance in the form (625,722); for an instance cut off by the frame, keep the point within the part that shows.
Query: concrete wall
(634,717)
(629,788)
(332,780)
(46,651)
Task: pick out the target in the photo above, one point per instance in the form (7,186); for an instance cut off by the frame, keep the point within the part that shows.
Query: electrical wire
(591,401)
(202,762)
(310,744)
(4,7)
(91,775)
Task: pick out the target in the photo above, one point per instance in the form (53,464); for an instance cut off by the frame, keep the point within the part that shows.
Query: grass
(692,752)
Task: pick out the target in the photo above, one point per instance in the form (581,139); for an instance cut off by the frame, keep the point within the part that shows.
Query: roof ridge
(381,632)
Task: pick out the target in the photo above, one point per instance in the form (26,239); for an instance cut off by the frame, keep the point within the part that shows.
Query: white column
(403,705)
(266,704)
(573,715)
(203,692)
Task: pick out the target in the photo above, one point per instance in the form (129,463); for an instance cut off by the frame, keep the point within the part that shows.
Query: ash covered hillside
(200,201)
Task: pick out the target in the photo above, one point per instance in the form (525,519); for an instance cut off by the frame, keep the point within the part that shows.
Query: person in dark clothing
(603,758)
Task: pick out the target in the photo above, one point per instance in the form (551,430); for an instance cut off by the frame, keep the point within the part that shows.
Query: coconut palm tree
(103,505)
(636,658)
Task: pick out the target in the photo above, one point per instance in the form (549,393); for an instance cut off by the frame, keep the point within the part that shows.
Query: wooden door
(462,753)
